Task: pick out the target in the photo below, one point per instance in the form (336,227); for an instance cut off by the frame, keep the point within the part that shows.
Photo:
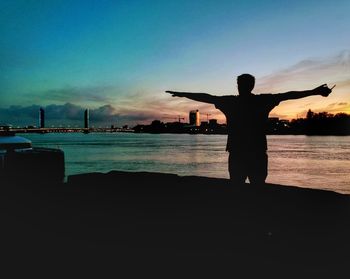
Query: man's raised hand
(323,90)
(174,93)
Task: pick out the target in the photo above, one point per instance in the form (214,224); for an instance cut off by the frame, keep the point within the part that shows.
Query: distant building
(213,122)
(194,118)
(86,119)
(41,118)
(273,119)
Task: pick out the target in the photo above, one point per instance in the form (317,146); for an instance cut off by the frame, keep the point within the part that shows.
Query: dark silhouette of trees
(324,123)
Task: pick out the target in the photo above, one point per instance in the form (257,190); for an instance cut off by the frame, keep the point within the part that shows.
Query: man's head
(245,84)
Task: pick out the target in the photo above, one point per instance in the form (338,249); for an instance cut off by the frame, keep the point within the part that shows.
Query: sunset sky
(118,57)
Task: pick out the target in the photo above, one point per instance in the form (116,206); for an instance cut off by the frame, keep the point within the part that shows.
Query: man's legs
(237,167)
(258,164)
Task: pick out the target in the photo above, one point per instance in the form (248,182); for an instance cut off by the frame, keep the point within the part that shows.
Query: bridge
(66,130)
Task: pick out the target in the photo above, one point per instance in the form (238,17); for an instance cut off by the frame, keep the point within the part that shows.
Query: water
(313,162)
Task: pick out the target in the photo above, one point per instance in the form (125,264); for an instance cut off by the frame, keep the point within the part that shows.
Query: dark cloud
(67,111)
(70,114)
(103,113)
(18,113)
(109,114)
(21,115)
(96,94)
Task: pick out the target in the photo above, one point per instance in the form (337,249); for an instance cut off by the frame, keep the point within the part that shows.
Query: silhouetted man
(247,116)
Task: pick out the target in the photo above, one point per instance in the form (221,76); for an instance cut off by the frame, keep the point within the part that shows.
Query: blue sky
(124,54)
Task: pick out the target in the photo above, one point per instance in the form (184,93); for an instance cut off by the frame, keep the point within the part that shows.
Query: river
(321,162)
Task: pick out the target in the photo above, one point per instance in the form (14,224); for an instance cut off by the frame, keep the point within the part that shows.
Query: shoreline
(107,131)
(126,220)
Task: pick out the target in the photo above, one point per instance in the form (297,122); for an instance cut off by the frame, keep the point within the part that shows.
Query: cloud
(103,113)
(86,94)
(67,111)
(18,112)
(309,72)
(335,107)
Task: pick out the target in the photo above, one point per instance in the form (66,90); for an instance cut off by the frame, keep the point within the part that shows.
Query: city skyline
(118,58)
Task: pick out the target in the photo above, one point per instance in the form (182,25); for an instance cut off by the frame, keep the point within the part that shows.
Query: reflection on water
(316,162)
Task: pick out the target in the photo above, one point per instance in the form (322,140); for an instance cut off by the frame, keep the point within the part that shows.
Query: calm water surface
(313,162)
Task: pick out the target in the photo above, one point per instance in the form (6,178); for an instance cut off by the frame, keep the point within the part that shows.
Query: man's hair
(246,80)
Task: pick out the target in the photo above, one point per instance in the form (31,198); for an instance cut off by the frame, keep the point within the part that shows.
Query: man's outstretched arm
(200,97)
(322,90)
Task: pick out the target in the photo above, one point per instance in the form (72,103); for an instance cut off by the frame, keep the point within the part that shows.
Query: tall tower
(194,118)
(41,118)
(86,119)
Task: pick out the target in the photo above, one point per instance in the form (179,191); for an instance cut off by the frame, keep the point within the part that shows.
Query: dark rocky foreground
(148,224)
